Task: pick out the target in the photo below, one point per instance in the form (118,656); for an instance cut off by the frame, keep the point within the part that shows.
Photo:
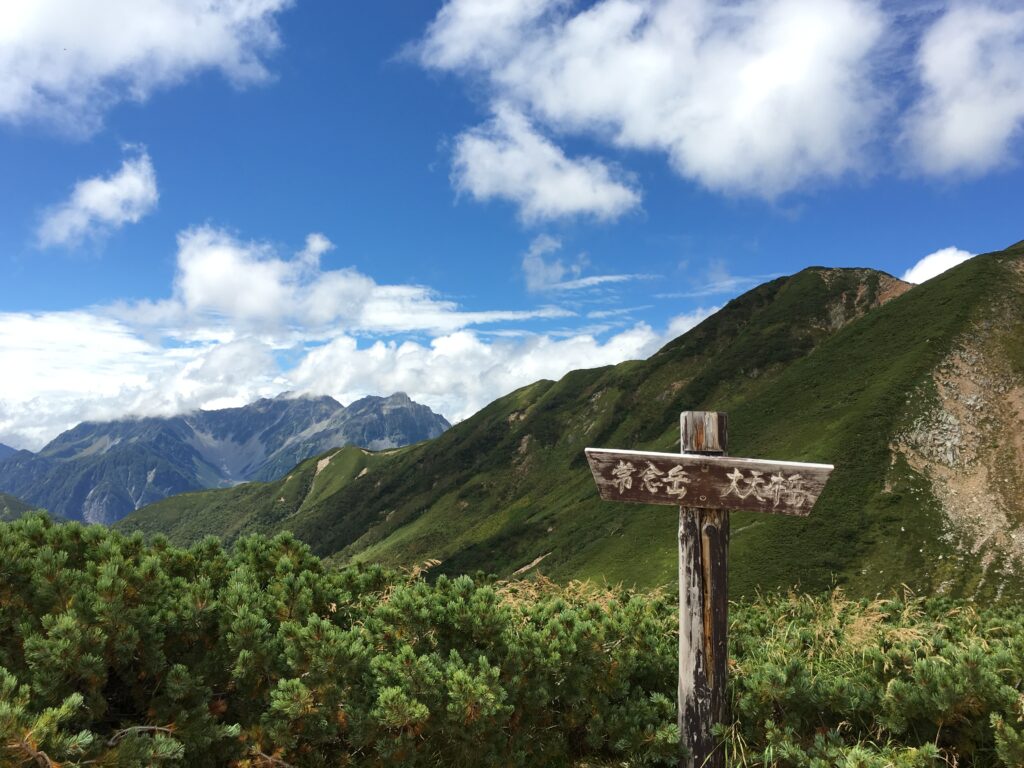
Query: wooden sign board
(708,482)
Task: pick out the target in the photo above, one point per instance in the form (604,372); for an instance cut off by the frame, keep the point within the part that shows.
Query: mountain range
(100,471)
(915,393)
(5,451)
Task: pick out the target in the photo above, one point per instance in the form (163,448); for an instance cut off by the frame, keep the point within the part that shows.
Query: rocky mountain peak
(101,471)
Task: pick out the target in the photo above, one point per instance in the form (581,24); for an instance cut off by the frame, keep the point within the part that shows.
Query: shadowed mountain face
(12,508)
(916,394)
(5,451)
(101,471)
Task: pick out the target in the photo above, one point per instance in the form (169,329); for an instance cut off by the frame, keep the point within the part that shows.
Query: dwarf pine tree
(115,651)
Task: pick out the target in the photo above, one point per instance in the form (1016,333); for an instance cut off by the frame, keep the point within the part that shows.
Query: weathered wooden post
(703,599)
(705,484)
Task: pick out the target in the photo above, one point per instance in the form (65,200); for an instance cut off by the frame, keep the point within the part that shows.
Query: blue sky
(200,205)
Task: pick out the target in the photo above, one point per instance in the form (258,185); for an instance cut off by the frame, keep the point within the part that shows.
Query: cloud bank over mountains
(756,98)
(244,321)
(743,98)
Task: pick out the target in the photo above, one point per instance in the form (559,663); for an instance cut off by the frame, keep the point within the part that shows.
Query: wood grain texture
(706,481)
(703,633)
(703,432)
(703,605)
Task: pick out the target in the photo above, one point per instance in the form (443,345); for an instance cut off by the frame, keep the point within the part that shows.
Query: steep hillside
(255,507)
(5,451)
(915,395)
(11,508)
(99,472)
(510,487)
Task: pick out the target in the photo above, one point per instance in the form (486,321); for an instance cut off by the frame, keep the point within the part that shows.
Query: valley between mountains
(915,393)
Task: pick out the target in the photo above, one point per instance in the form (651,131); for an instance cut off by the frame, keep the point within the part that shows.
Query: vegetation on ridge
(811,367)
(118,652)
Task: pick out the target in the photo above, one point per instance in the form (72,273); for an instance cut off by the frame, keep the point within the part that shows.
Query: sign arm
(705,484)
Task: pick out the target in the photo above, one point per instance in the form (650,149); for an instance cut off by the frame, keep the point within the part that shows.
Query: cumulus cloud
(507,158)
(102,203)
(755,97)
(83,366)
(470,32)
(435,373)
(65,63)
(224,286)
(971,68)
(935,264)
(244,321)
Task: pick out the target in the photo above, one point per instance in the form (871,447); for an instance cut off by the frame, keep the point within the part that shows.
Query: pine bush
(116,651)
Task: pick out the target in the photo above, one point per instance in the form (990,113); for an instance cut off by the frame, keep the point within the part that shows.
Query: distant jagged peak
(291,394)
(394,399)
(288,396)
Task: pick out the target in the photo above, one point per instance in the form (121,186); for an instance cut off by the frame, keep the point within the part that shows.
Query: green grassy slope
(253,507)
(805,371)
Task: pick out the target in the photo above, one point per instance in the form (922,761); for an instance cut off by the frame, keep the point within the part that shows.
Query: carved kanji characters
(649,478)
(754,483)
(775,488)
(734,484)
(623,474)
(795,492)
(675,482)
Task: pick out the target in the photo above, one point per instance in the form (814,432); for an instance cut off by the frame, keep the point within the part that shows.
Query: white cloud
(539,272)
(680,324)
(971,66)
(756,96)
(225,286)
(435,373)
(65,62)
(317,245)
(101,204)
(82,365)
(244,322)
(544,275)
(935,264)
(716,281)
(507,158)
(470,32)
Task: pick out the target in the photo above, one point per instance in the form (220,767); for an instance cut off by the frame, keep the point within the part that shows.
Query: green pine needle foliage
(115,651)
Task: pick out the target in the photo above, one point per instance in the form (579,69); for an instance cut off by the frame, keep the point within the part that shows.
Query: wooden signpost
(705,483)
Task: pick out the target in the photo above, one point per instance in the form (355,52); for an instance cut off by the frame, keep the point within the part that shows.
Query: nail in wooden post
(703,603)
